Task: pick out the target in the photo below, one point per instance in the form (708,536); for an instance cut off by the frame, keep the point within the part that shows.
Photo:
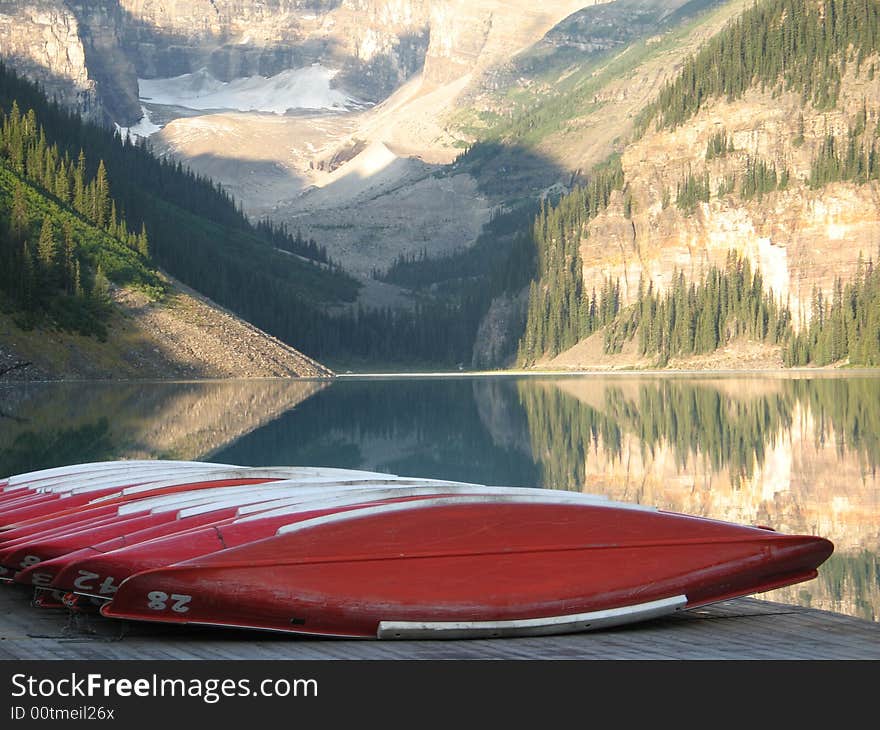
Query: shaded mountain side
(196,230)
(80,296)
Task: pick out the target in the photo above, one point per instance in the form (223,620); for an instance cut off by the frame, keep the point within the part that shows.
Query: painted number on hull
(87,581)
(41,579)
(158,601)
(28,561)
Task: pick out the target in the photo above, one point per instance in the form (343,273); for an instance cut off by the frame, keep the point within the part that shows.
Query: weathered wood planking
(741,629)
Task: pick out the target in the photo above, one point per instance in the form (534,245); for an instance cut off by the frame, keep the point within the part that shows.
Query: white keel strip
(546,496)
(121,479)
(76,471)
(566,624)
(286,476)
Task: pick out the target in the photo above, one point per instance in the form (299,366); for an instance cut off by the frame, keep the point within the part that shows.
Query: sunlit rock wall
(42,39)
(801,239)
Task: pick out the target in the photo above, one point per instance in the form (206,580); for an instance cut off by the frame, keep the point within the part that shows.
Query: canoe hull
(448,569)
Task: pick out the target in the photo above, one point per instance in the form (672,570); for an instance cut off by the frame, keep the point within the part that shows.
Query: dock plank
(744,628)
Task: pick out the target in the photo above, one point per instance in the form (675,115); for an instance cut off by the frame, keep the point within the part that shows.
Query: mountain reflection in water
(798,453)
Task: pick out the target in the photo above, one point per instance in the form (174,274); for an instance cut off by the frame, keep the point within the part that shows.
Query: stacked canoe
(338,552)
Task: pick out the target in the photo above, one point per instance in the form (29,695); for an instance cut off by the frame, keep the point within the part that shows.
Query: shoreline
(612,373)
(701,373)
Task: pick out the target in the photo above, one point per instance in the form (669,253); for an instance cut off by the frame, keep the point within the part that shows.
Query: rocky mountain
(104,46)
(43,40)
(376,184)
(776,164)
(802,237)
(435,66)
(389,130)
(74,49)
(196,68)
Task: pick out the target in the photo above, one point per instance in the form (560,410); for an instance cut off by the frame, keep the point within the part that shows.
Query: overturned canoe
(40,558)
(107,564)
(43,501)
(359,554)
(470,566)
(26,547)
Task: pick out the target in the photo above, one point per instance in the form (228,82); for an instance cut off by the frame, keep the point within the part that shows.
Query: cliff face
(102,26)
(385,40)
(375,45)
(801,238)
(103,46)
(43,40)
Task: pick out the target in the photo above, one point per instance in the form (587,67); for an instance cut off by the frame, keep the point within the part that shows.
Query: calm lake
(798,453)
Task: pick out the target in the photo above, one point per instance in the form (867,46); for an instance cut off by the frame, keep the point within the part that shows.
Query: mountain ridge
(411,192)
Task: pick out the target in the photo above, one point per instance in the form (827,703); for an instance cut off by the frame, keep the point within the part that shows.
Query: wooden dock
(740,629)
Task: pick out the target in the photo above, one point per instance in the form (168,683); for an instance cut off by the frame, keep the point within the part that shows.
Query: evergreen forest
(62,235)
(791,45)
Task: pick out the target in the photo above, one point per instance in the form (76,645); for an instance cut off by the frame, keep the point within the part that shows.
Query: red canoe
(41,557)
(36,558)
(43,497)
(470,566)
(45,505)
(66,523)
(359,554)
(28,552)
(13,486)
(181,541)
(40,503)
(123,475)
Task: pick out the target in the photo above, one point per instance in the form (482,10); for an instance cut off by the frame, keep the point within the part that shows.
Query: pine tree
(143,243)
(100,293)
(77,280)
(19,213)
(62,184)
(47,247)
(79,185)
(26,279)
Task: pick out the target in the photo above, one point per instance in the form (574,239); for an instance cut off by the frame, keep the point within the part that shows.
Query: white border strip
(288,505)
(89,483)
(501,498)
(375,492)
(565,624)
(77,470)
(289,477)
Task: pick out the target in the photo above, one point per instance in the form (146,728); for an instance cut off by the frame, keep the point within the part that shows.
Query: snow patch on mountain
(305,88)
(143,129)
